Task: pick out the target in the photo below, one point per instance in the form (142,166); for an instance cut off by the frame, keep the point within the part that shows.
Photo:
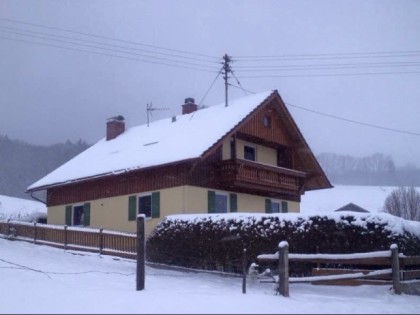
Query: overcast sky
(67,66)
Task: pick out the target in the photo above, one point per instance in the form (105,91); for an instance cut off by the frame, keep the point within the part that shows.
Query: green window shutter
(156,204)
(211,201)
(284,207)
(268,206)
(233,202)
(68,215)
(132,208)
(86,214)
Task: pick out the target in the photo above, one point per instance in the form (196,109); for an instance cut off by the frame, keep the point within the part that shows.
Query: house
(249,156)
(352,207)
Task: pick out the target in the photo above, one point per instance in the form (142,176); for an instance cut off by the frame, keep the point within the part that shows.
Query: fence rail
(86,239)
(389,258)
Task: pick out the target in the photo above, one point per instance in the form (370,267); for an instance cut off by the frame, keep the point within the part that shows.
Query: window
(147,204)
(249,153)
(267,121)
(78,214)
(276,206)
(219,202)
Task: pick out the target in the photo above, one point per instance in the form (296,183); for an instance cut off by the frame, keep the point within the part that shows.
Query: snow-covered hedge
(216,242)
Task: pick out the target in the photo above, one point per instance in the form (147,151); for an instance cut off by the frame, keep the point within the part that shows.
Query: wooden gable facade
(264,157)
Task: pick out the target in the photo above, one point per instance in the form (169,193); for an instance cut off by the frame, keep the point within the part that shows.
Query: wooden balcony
(260,177)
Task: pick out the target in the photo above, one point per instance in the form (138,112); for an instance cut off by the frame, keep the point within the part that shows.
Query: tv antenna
(150,109)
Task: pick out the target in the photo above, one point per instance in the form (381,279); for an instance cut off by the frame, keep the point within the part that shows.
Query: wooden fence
(102,241)
(394,274)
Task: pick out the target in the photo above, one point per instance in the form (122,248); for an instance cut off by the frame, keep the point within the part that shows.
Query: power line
(353,64)
(110,38)
(325,67)
(60,37)
(327,74)
(214,81)
(353,121)
(113,50)
(241,88)
(106,54)
(380,54)
(239,83)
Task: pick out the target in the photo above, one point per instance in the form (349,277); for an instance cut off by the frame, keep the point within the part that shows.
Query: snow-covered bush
(216,242)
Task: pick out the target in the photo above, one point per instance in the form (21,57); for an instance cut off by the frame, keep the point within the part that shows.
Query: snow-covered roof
(162,142)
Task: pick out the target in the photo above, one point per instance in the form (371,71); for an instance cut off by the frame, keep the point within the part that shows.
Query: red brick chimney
(114,127)
(189,106)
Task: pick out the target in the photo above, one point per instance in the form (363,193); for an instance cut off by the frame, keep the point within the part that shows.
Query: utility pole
(226,69)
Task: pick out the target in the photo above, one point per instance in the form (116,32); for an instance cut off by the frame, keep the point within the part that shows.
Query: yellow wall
(264,154)
(112,213)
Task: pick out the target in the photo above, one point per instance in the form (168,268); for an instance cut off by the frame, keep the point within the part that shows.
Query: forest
(22,164)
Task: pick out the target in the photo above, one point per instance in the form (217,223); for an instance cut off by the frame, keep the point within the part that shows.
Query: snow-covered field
(371,198)
(21,209)
(45,280)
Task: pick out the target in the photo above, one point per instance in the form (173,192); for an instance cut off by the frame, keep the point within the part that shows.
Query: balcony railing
(237,172)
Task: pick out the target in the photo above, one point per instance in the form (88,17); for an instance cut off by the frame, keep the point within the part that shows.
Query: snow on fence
(77,238)
(385,258)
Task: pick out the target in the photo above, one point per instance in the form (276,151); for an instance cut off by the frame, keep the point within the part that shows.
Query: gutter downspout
(36,198)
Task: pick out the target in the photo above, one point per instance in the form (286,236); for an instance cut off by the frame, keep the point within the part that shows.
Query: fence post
(101,241)
(8,227)
(395,263)
(283,268)
(244,271)
(140,274)
(35,233)
(65,237)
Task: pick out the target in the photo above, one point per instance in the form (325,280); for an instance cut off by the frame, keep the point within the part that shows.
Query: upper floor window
(249,153)
(267,121)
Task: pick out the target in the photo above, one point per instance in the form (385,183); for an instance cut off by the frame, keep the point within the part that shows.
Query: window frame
(225,195)
(142,195)
(254,148)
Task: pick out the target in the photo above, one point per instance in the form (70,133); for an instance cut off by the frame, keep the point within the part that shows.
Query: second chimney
(189,106)
(114,127)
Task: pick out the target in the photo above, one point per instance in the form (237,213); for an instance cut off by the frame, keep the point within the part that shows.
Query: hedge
(216,242)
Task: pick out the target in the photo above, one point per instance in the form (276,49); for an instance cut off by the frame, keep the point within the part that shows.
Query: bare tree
(404,202)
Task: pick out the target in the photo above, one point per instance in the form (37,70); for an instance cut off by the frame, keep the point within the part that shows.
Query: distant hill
(374,170)
(21,163)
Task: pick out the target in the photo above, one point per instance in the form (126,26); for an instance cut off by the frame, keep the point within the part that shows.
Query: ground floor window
(276,206)
(78,215)
(222,202)
(144,203)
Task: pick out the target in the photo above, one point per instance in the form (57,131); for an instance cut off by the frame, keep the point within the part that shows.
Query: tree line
(22,164)
(376,169)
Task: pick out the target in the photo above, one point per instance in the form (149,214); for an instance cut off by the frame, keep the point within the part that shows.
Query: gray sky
(58,85)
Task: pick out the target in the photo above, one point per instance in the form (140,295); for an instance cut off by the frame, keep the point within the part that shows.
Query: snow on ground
(44,280)
(371,198)
(21,209)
